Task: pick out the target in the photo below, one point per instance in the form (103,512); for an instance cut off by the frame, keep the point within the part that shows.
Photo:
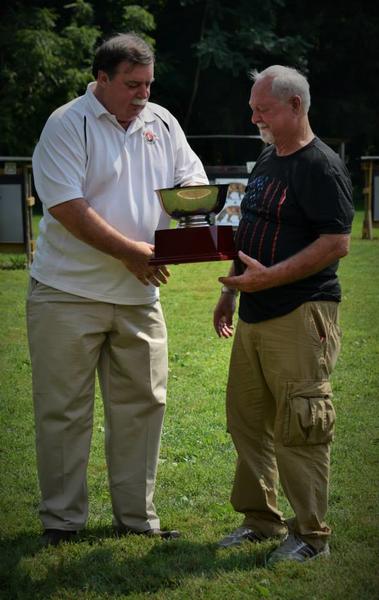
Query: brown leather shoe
(164,534)
(53,537)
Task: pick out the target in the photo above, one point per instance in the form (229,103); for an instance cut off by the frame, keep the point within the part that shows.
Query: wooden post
(29,203)
(367,192)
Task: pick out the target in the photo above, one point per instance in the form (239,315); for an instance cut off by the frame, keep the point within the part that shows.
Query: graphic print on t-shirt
(261,210)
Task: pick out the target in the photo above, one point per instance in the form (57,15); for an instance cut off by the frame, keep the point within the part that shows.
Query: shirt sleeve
(59,163)
(327,198)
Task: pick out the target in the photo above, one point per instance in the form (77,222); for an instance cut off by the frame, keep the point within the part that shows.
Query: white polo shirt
(84,152)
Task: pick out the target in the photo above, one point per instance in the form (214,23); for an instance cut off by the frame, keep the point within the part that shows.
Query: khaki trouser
(281,418)
(69,338)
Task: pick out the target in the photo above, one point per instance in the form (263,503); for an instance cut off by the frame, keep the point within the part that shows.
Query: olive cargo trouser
(69,338)
(281,418)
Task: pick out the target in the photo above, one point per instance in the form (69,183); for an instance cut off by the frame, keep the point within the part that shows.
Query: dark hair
(124,46)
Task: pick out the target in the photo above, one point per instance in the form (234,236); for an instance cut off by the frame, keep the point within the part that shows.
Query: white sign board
(11,216)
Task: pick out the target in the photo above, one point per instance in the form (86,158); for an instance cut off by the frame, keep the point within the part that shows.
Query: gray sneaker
(295,549)
(238,536)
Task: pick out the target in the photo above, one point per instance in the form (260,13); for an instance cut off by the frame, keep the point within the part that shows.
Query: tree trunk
(196,79)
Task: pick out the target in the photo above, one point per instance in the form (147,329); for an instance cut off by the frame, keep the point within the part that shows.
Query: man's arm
(87,225)
(324,251)
(224,311)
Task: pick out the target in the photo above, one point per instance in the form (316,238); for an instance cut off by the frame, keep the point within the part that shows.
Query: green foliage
(234,31)
(46,56)
(342,68)
(118,16)
(204,50)
(138,19)
(44,63)
(10,262)
(227,39)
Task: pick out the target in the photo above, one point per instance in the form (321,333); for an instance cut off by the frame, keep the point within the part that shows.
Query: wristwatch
(227,290)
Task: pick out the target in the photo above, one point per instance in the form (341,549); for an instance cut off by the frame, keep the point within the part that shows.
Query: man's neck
(99,95)
(292,143)
(124,124)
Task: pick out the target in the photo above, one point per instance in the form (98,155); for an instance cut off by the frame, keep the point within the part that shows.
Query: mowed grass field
(196,466)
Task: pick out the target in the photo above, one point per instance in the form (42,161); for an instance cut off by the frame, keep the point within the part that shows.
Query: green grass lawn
(196,466)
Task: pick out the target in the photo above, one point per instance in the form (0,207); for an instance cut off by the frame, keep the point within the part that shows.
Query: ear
(102,78)
(295,102)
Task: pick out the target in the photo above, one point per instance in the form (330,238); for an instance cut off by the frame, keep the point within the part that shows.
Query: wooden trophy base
(194,244)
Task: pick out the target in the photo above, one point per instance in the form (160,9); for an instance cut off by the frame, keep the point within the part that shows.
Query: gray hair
(286,82)
(124,46)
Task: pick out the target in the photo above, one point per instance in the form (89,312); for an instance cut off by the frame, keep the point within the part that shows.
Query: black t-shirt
(289,202)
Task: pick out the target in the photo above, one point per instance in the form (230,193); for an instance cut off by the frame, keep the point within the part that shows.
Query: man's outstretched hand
(253,279)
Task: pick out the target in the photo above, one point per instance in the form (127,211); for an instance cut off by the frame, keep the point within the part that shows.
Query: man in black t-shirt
(296,220)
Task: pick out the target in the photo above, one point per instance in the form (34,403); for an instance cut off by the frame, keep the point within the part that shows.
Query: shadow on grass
(100,563)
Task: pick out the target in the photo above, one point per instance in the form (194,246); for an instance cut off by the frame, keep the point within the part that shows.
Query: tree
(343,70)
(46,55)
(226,39)
(116,16)
(44,62)
(205,49)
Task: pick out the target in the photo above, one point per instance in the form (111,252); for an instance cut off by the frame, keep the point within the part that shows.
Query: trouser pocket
(309,416)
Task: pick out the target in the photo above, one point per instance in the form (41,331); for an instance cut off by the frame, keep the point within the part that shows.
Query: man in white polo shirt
(93,302)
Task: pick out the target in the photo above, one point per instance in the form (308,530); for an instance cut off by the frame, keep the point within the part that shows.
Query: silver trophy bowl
(193,206)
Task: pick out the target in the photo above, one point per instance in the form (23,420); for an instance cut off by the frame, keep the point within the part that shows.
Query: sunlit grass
(196,465)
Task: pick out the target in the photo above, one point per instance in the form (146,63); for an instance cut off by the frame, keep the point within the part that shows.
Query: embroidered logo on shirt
(150,136)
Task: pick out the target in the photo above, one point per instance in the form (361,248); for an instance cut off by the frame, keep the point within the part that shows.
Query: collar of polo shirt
(146,116)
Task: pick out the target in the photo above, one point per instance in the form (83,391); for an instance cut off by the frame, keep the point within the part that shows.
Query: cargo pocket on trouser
(309,416)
